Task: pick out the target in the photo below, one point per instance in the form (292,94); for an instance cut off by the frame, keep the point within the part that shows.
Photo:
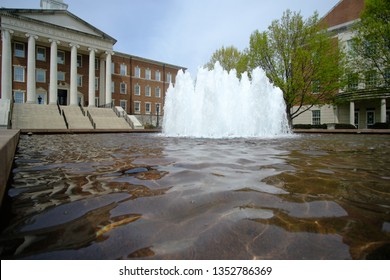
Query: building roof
(343,12)
(138,58)
(62,19)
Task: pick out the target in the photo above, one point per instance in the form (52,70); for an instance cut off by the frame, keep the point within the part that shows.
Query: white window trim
(150,107)
(125,89)
(24,49)
(44,75)
(58,60)
(139,107)
(24,73)
(44,55)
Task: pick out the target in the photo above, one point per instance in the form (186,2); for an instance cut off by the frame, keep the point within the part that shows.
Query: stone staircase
(35,116)
(75,117)
(105,118)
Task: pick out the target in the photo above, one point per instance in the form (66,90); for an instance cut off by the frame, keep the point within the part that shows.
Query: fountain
(219,105)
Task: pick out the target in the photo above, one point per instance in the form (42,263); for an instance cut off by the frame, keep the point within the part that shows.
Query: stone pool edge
(9,139)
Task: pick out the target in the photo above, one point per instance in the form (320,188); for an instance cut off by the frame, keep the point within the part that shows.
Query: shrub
(344,126)
(379,125)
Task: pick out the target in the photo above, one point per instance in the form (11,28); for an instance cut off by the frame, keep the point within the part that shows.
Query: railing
(58,106)
(127,119)
(91,120)
(66,121)
(82,109)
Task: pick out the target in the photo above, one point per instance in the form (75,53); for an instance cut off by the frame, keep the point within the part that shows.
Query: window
(18,74)
(123,70)
(356,118)
(316,117)
(353,81)
(158,76)
(137,90)
(19,49)
(40,76)
(97,64)
(147,107)
(157,92)
(123,88)
(147,91)
(123,104)
(137,106)
(137,72)
(19,96)
(371,79)
(61,76)
(386,77)
(112,67)
(79,80)
(41,54)
(148,74)
(96,83)
(169,78)
(60,57)
(351,48)
(79,61)
(315,87)
(370,117)
(112,86)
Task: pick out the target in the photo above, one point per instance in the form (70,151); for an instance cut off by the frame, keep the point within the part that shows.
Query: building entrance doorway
(62,95)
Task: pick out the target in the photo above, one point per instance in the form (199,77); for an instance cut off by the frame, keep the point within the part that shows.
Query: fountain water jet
(219,105)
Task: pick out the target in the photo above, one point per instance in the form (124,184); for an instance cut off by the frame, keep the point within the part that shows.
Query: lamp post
(158,113)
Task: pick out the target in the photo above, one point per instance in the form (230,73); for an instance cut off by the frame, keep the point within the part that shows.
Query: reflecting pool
(125,196)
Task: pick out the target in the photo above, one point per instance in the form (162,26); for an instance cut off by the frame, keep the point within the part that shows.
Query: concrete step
(75,118)
(105,118)
(34,116)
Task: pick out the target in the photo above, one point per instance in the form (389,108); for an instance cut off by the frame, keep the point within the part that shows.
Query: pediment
(60,18)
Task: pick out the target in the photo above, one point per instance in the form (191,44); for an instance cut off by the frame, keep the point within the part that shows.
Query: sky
(181,32)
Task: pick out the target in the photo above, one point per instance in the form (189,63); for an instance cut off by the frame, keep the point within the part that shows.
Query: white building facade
(363,102)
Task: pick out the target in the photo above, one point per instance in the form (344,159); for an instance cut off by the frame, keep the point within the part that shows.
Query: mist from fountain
(219,105)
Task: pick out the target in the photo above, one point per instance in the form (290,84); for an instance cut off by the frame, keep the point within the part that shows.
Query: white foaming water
(219,105)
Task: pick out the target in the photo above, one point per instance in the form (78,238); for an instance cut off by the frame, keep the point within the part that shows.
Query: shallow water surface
(123,196)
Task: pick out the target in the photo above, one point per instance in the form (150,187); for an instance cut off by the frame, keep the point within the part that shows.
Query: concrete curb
(8,142)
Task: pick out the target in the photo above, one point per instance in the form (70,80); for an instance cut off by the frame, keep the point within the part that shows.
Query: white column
(31,85)
(73,75)
(53,88)
(91,82)
(352,113)
(6,62)
(108,79)
(102,81)
(383,110)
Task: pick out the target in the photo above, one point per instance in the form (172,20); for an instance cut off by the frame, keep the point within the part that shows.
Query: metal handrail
(91,120)
(82,109)
(66,121)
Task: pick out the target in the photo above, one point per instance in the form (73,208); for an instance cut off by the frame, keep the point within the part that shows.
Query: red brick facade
(152,82)
(344,11)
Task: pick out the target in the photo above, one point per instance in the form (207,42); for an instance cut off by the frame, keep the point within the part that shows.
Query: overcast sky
(181,32)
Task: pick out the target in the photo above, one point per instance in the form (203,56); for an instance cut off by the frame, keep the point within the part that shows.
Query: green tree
(371,44)
(301,59)
(230,58)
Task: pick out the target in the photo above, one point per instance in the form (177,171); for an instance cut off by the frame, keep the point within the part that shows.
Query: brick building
(51,56)
(363,102)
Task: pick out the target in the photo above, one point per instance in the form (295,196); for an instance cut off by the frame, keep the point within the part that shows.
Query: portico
(75,51)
